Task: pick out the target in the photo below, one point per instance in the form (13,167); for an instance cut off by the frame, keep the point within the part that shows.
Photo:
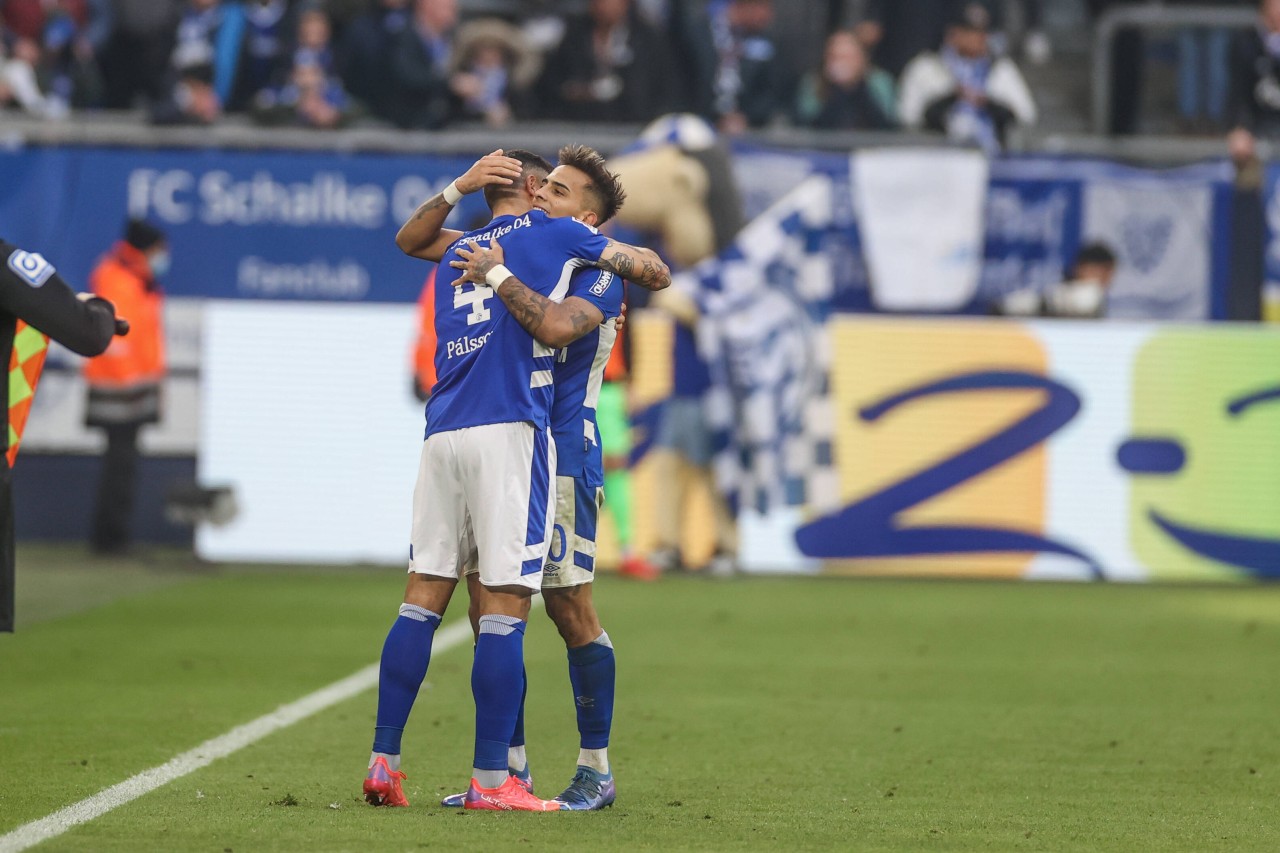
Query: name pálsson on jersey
(462,346)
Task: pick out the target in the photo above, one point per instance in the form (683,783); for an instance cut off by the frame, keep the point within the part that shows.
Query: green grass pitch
(760,714)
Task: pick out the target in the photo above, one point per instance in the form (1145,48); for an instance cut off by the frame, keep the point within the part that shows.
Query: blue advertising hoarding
(289,225)
(273,225)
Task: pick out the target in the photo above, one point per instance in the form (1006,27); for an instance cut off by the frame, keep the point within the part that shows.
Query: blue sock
(591,672)
(405,656)
(497,678)
(517,738)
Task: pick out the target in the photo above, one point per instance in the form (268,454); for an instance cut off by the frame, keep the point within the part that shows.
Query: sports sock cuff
(603,640)
(419,614)
(500,625)
(589,654)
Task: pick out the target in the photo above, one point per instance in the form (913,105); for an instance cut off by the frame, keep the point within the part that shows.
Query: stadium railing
(127,129)
(1152,17)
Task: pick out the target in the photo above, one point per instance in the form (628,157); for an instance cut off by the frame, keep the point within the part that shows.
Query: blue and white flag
(1161,231)
(764,303)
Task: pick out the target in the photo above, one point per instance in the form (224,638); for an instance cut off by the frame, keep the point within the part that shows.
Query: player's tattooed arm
(635,264)
(423,234)
(553,324)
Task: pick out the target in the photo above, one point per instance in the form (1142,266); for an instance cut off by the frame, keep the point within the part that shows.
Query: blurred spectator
(365,55)
(25,19)
(138,54)
(310,98)
(748,90)
(313,38)
(423,92)
(192,98)
(265,40)
(846,93)
(801,26)
(1202,76)
(1203,70)
(1128,65)
(75,33)
(19,84)
(610,66)
(343,12)
(898,31)
(1255,84)
(494,69)
(686,30)
(215,29)
(311,93)
(125,381)
(1036,47)
(1082,296)
(963,90)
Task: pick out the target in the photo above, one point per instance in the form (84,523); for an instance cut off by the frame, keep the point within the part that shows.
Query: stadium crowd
(428,64)
(942,65)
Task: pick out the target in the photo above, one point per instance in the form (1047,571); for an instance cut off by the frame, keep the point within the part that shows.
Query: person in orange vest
(424,350)
(125,381)
(36,304)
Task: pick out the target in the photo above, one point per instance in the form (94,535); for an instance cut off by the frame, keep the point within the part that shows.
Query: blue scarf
(972,123)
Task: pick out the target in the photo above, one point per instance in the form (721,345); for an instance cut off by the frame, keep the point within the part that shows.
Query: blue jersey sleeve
(600,287)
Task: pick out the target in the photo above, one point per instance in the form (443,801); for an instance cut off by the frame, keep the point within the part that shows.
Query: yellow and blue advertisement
(1053,450)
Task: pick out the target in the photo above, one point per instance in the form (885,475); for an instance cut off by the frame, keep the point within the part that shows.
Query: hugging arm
(635,264)
(553,324)
(423,235)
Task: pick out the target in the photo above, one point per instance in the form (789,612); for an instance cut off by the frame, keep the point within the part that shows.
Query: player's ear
(531,184)
(589,217)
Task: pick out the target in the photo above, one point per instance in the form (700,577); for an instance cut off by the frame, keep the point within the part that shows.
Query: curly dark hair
(604,191)
(530,164)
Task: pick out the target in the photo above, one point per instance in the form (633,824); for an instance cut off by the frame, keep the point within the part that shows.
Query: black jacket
(32,291)
(1255,85)
(634,87)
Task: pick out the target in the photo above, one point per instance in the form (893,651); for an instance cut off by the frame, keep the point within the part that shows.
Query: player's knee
(504,601)
(574,615)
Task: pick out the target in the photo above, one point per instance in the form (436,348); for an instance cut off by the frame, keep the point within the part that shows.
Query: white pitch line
(30,834)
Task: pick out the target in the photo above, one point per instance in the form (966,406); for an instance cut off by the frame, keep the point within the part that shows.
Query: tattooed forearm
(527,306)
(642,266)
(582,322)
(434,203)
(620,263)
(654,273)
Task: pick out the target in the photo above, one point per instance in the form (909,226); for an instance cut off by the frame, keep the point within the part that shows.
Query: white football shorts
(572,558)
(484,498)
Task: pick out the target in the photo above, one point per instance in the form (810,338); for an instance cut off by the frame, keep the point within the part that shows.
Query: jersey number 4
(473,298)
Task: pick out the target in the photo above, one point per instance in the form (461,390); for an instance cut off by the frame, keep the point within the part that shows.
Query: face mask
(159,264)
(1078,299)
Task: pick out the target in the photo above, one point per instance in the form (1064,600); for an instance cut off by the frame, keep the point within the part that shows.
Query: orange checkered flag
(25,364)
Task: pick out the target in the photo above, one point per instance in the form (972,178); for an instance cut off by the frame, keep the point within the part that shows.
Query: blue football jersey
(579,371)
(489,370)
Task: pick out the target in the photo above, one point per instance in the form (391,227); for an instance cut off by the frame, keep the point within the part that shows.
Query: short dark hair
(604,190)
(1096,253)
(530,164)
(142,235)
